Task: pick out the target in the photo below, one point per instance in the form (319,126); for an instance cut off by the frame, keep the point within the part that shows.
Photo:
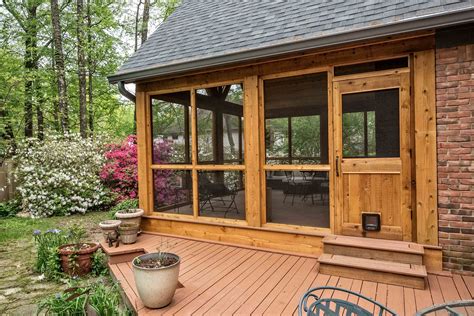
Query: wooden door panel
(379,184)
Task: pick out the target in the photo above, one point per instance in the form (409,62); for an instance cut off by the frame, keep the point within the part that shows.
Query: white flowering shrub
(60,175)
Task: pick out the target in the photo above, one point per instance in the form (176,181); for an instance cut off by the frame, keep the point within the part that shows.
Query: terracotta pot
(108,227)
(128,233)
(130,216)
(81,261)
(156,286)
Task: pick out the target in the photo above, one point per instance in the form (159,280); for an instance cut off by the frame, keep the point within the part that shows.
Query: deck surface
(224,279)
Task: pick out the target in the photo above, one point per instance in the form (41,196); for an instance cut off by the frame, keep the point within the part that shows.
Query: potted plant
(133,215)
(109,226)
(156,277)
(128,232)
(76,259)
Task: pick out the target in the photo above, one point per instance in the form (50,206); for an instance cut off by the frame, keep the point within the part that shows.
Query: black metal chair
(450,308)
(313,305)
(209,191)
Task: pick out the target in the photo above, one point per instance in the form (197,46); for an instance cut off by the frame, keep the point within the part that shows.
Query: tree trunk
(59,61)
(137,19)
(81,69)
(90,70)
(30,63)
(39,113)
(145,19)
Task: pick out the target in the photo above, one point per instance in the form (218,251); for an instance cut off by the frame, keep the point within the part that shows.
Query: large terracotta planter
(109,227)
(128,233)
(130,216)
(76,258)
(156,286)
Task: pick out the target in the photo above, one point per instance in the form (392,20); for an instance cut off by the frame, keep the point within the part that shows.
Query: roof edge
(417,24)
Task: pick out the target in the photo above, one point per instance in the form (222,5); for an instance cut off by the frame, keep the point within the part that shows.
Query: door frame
(373,81)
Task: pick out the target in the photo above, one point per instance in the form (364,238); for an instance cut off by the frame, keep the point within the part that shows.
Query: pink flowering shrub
(120,172)
(166,182)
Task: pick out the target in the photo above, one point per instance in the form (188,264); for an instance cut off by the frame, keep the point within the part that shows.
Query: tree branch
(15,14)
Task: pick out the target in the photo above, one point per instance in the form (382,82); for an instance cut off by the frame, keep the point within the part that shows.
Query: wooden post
(252,151)
(425,147)
(145,193)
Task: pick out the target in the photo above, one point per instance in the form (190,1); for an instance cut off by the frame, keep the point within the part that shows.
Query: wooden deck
(222,279)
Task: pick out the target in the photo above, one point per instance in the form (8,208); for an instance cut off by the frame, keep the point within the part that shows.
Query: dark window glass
(296,121)
(171,128)
(298,198)
(173,191)
(221,194)
(370,124)
(220,124)
(371,66)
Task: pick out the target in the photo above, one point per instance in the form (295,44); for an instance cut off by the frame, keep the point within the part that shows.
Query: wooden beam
(203,102)
(252,151)
(425,147)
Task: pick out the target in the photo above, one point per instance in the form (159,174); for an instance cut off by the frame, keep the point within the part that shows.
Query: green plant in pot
(156,277)
(76,257)
(128,232)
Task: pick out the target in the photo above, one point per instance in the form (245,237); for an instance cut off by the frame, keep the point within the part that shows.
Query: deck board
(222,279)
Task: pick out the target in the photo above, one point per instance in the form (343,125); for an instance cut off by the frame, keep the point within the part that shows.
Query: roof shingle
(200,29)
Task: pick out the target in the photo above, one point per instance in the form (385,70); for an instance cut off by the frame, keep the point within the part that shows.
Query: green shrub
(103,299)
(60,175)
(47,245)
(99,263)
(10,208)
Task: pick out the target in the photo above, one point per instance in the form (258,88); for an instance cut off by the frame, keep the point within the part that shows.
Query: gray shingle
(206,28)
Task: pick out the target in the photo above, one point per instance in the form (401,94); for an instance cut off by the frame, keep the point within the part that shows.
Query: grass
(15,228)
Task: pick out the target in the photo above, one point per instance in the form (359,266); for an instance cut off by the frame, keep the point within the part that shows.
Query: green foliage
(16,228)
(99,263)
(103,299)
(10,207)
(125,205)
(47,245)
(47,258)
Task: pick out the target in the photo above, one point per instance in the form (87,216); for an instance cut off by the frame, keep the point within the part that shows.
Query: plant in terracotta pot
(76,256)
(76,259)
(132,216)
(109,227)
(156,277)
(128,232)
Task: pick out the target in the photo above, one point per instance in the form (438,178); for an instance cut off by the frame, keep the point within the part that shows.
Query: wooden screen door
(372,153)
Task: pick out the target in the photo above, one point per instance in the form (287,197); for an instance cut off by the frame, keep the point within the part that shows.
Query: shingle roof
(206,29)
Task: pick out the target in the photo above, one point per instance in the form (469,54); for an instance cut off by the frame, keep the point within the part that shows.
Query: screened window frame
(195,166)
(297,167)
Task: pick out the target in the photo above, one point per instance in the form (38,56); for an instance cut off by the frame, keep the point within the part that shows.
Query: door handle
(337,166)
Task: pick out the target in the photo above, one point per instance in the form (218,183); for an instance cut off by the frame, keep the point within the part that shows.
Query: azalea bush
(120,172)
(60,175)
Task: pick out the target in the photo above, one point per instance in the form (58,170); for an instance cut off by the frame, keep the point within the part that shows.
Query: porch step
(376,249)
(403,274)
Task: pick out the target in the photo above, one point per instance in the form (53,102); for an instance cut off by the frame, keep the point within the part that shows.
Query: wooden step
(377,249)
(410,275)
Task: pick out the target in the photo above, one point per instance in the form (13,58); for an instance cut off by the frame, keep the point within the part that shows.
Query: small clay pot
(128,233)
(109,227)
(76,259)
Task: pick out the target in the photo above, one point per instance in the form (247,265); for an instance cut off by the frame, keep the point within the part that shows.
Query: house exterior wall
(455,145)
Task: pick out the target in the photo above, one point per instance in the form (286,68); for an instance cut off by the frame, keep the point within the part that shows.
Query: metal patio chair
(450,308)
(336,307)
